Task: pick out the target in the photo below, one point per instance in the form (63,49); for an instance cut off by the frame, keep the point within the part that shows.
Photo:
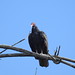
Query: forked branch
(24,53)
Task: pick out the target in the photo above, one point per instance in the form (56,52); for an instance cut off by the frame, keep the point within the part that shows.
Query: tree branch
(67,59)
(67,64)
(14,55)
(13,45)
(25,53)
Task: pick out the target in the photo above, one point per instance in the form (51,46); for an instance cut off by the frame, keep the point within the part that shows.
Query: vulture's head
(34,28)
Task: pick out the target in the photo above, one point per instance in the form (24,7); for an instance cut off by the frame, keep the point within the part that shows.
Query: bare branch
(26,52)
(68,64)
(13,45)
(32,54)
(14,48)
(67,59)
(24,55)
(14,55)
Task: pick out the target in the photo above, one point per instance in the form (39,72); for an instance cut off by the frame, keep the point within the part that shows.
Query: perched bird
(38,43)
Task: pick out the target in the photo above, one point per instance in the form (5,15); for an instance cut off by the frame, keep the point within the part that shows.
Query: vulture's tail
(43,63)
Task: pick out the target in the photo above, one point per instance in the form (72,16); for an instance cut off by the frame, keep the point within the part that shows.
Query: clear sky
(55,17)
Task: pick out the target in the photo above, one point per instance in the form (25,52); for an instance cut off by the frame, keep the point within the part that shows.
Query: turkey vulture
(38,43)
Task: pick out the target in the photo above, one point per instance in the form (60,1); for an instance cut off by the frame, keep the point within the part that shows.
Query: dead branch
(67,59)
(67,64)
(13,45)
(25,53)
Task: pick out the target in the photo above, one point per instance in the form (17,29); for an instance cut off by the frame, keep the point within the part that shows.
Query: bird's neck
(35,30)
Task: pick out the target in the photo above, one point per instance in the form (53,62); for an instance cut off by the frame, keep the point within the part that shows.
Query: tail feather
(43,63)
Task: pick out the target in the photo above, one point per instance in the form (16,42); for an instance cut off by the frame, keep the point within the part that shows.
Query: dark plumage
(38,43)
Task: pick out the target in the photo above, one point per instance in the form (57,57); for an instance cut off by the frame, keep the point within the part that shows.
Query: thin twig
(12,45)
(56,53)
(36,71)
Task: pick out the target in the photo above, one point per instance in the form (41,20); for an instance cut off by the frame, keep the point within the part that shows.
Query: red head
(33,24)
(34,28)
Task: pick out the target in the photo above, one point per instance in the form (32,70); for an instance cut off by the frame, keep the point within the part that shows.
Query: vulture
(38,43)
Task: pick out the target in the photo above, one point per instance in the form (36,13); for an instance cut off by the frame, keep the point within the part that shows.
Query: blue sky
(55,17)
